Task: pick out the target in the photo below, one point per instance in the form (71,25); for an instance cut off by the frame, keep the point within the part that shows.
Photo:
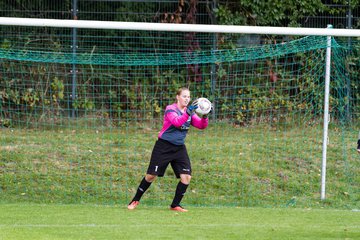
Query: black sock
(179,193)
(144,185)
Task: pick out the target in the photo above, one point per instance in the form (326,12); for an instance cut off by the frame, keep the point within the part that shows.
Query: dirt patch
(8,148)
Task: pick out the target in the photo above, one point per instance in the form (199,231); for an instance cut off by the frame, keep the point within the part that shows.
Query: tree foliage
(268,13)
(278,12)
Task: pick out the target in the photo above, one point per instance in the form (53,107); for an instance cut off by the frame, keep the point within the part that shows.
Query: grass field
(31,221)
(248,183)
(255,166)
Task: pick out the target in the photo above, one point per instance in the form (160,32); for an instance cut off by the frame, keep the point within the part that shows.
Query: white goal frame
(179,27)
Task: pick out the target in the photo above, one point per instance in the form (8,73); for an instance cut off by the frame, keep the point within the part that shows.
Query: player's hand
(191,109)
(358,147)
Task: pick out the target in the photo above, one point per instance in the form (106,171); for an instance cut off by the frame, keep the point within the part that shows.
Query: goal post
(102,95)
(38,22)
(178,27)
(326,117)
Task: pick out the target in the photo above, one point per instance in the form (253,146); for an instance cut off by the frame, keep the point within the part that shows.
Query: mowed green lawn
(31,221)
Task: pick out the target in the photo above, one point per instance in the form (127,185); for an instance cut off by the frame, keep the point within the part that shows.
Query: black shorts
(164,153)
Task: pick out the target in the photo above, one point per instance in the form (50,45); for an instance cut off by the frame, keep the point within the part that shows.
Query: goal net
(80,110)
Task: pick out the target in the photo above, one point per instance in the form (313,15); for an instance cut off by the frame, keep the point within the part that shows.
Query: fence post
(73,69)
(213,66)
(349,17)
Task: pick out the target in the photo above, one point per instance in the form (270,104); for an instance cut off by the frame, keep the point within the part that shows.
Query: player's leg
(182,168)
(143,186)
(157,167)
(180,192)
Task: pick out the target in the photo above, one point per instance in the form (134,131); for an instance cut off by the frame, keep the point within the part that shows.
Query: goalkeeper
(170,148)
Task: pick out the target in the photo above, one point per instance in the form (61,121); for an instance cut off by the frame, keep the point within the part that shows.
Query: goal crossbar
(178,27)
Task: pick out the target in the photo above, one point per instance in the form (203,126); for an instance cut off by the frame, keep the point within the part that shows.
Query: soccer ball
(204,106)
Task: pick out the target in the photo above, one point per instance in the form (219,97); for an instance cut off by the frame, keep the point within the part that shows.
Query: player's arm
(175,119)
(199,122)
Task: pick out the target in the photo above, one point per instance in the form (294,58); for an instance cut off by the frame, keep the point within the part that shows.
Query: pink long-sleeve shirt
(177,123)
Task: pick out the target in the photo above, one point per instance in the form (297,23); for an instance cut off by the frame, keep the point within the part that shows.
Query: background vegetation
(58,88)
